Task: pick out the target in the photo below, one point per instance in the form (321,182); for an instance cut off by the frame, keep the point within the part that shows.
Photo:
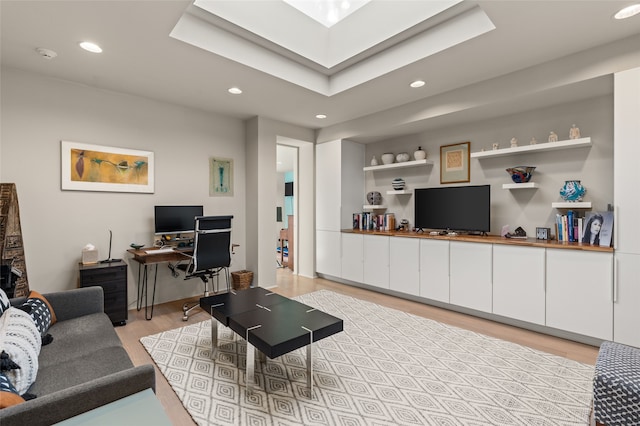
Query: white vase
(420,154)
(374,161)
(402,157)
(387,158)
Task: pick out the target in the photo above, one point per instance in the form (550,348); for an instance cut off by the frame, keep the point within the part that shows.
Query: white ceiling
(142,58)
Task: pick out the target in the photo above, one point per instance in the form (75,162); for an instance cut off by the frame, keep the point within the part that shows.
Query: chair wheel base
(185,318)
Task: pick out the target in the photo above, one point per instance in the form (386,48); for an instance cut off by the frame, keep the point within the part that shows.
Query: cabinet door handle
(615,280)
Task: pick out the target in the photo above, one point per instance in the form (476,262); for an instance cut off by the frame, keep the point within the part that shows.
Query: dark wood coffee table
(271,323)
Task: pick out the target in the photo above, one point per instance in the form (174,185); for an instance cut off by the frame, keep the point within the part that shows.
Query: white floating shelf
(374,207)
(402,192)
(413,163)
(524,185)
(572,205)
(544,146)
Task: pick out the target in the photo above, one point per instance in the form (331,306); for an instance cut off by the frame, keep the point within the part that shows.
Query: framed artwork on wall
(220,177)
(454,163)
(88,167)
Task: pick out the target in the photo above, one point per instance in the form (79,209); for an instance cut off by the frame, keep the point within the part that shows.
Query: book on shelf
(569,227)
(367,221)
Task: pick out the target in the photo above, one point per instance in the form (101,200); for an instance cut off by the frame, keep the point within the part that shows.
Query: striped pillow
(21,340)
(4,301)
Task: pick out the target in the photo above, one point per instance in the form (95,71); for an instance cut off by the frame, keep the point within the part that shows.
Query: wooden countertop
(490,239)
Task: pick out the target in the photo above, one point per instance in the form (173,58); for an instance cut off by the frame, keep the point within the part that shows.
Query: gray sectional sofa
(84,367)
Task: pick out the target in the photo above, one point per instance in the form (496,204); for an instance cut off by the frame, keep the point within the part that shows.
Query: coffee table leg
(214,335)
(310,362)
(251,359)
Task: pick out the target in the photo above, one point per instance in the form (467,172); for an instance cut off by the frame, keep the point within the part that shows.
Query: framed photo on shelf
(88,167)
(454,163)
(598,229)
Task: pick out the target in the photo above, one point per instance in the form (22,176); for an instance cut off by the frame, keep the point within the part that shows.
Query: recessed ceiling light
(628,11)
(417,83)
(235,91)
(90,47)
(321,116)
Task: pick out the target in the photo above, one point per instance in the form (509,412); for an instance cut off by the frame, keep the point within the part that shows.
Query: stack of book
(368,221)
(569,227)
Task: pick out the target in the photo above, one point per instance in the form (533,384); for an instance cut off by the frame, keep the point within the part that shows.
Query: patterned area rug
(387,368)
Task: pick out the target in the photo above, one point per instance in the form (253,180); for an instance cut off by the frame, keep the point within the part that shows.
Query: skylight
(327,12)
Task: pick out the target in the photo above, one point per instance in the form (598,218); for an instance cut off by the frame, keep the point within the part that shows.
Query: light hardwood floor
(168,316)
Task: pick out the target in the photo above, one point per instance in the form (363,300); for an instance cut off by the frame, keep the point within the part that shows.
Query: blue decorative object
(572,191)
(521,174)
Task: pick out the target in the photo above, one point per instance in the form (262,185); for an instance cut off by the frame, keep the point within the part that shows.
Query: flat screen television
(175,219)
(453,208)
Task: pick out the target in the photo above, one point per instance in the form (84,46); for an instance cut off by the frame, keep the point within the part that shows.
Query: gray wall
(526,208)
(38,112)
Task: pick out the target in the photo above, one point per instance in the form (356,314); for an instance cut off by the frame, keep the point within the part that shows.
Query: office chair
(211,254)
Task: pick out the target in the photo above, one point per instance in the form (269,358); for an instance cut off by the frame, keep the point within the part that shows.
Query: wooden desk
(146,260)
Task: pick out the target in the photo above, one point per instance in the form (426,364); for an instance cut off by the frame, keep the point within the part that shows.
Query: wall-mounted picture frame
(454,163)
(220,177)
(87,167)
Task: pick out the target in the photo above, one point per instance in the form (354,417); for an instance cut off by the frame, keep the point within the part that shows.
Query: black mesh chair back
(211,254)
(212,243)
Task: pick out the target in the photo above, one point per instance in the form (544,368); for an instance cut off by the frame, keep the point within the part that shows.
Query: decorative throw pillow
(40,310)
(20,339)
(4,301)
(8,394)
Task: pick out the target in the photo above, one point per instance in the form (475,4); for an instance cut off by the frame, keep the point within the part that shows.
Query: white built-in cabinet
(519,283)
(434,269)
(404,260)
(353,257)
(470,275)
(339,194)
(626,306)
(626,109)
(376,261)
(580,292)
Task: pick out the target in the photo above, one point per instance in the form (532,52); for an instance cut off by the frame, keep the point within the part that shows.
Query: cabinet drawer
(97,276)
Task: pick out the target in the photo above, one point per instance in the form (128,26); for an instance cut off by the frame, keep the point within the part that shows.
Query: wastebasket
(242,279)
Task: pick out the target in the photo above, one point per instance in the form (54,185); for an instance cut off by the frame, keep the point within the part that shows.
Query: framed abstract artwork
(220,177)
(88,167)
(454,163)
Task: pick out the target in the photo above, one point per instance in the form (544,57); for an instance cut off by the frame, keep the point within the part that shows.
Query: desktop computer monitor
(175,219)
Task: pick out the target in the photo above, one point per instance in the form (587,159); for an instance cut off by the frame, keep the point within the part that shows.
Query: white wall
(38,112)
(262,137)
(526,208)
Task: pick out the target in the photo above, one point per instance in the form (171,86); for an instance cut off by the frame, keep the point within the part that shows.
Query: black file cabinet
(112,277)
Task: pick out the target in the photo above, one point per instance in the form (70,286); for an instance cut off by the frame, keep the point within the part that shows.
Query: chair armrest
(77,302)
(79,399)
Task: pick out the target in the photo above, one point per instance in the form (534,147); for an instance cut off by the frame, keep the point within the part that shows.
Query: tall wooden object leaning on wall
(11,246)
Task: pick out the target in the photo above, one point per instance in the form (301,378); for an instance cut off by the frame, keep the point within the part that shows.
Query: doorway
(287,207)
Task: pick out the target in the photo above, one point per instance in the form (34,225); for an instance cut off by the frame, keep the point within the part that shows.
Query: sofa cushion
(81,369)
(20,339)
(77,337)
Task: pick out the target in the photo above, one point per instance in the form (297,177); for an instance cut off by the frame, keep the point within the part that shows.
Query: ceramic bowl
(521,174)
(136,246)
(387,158)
